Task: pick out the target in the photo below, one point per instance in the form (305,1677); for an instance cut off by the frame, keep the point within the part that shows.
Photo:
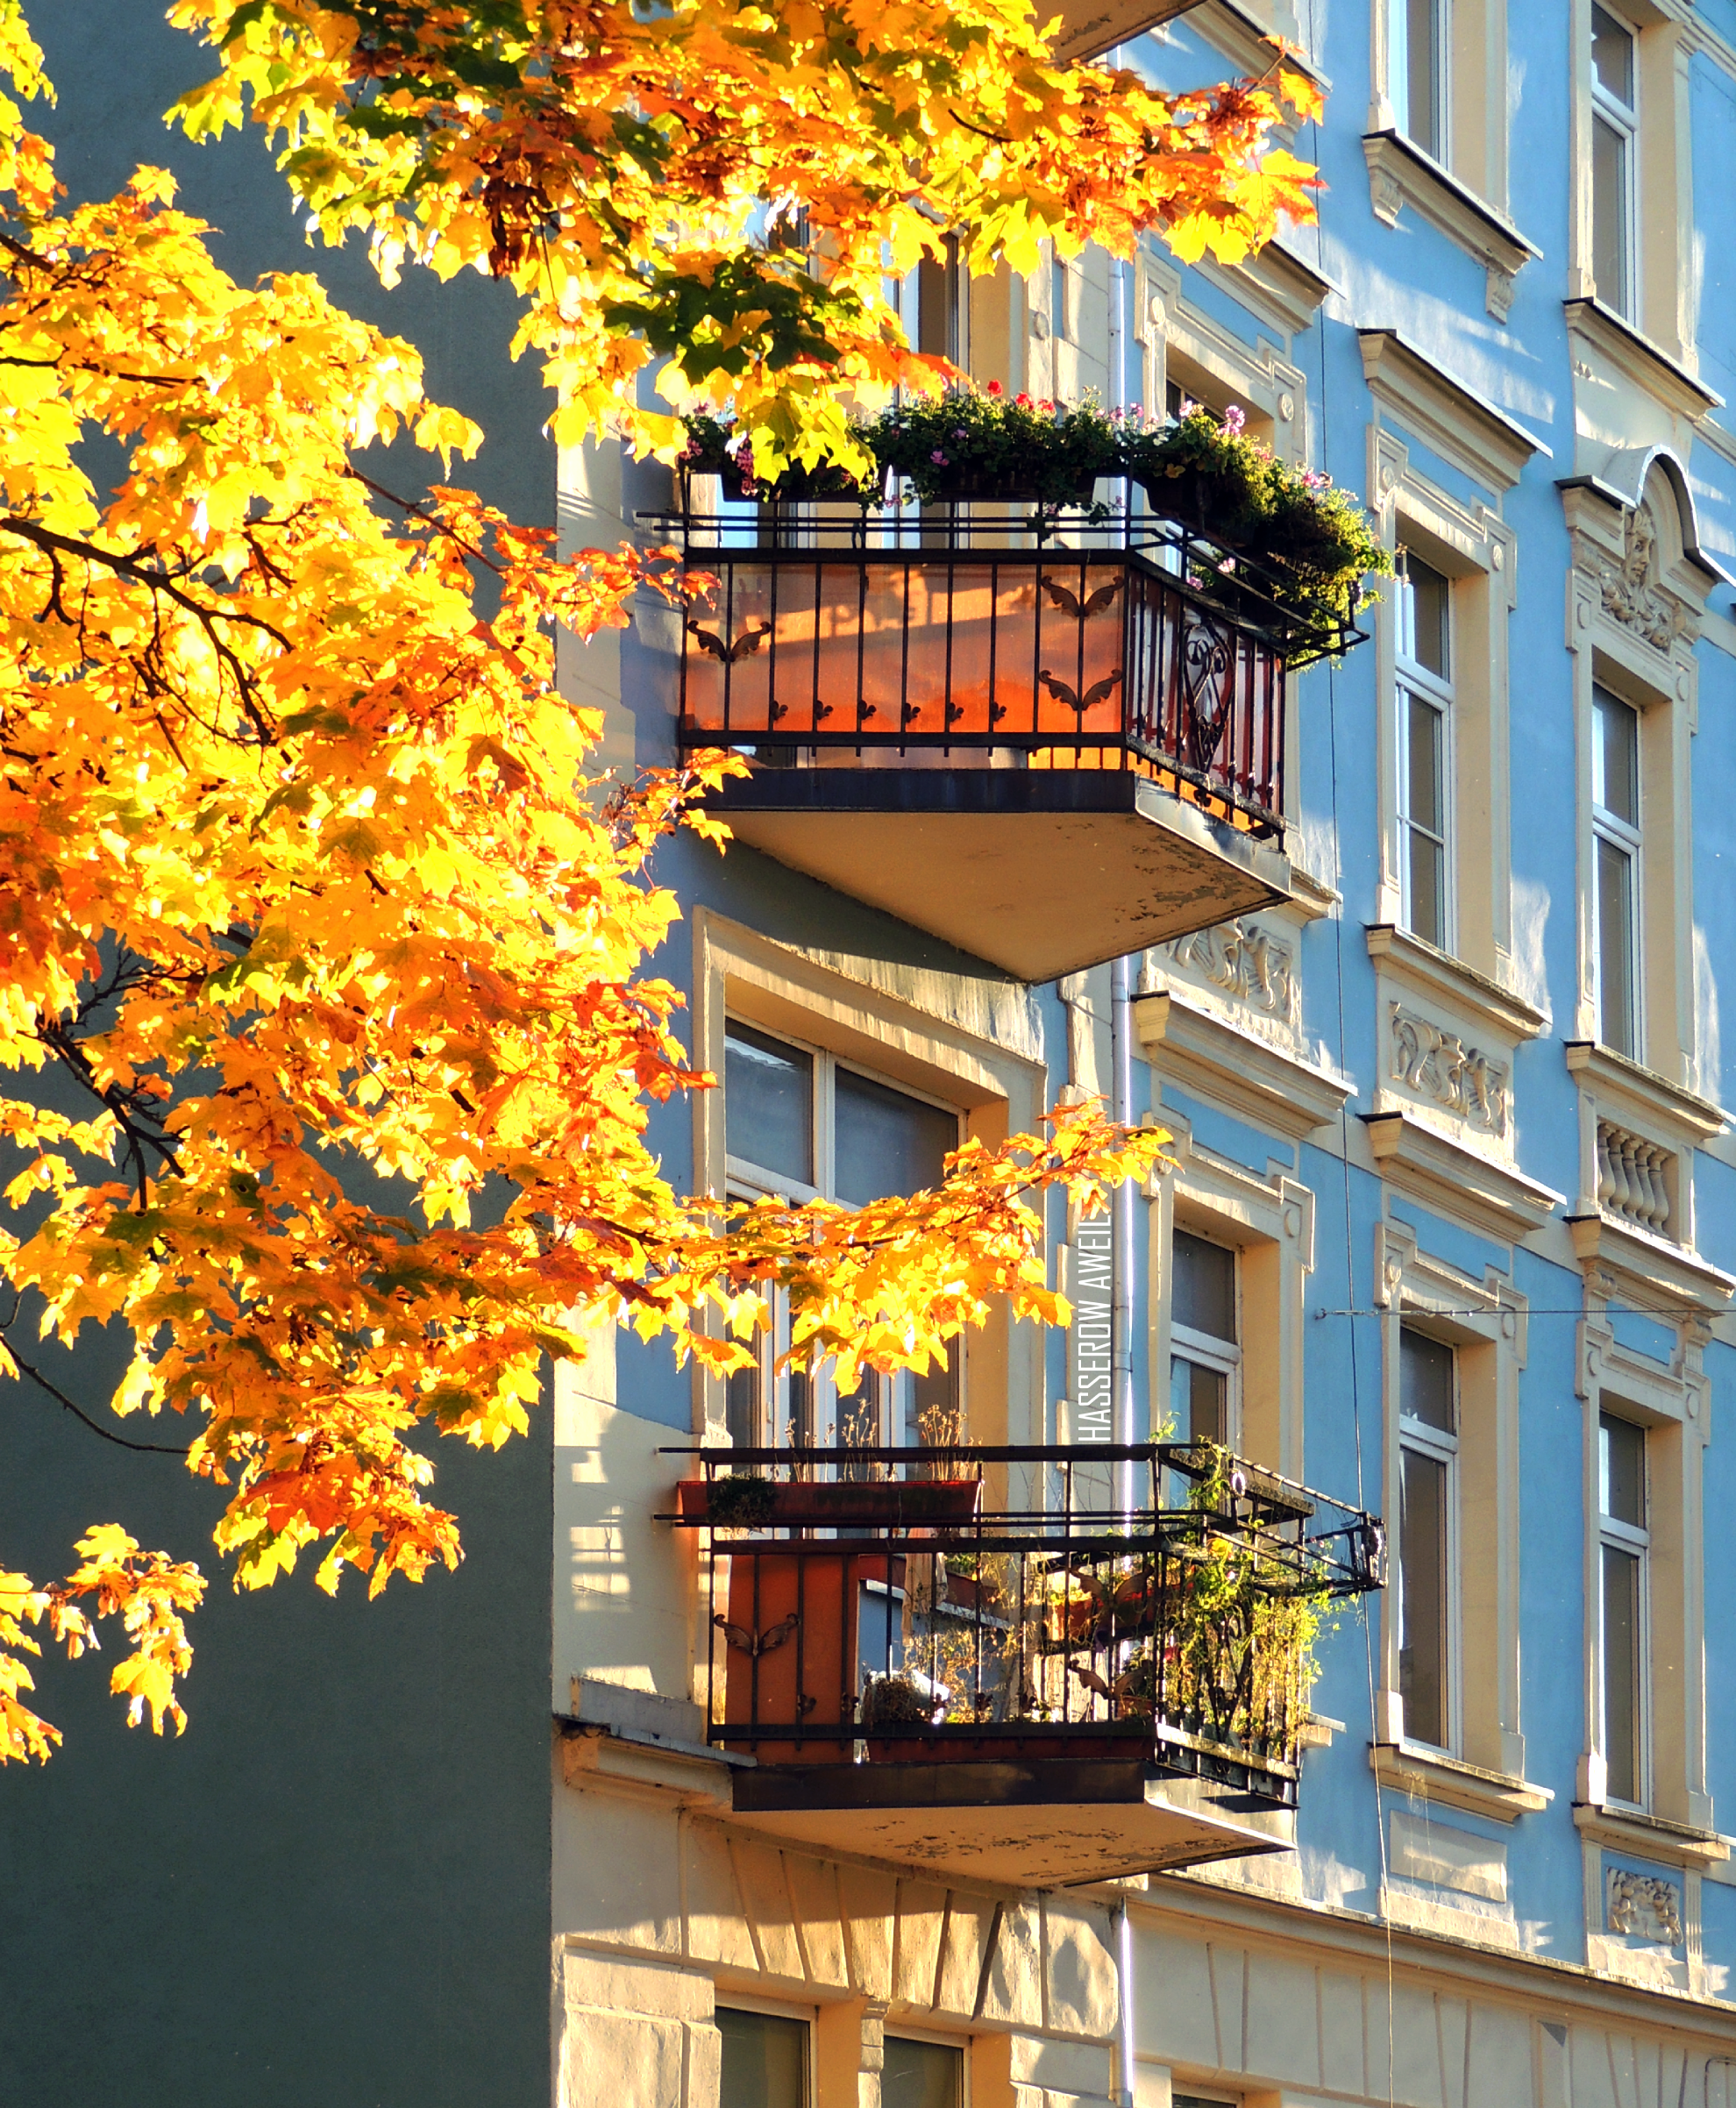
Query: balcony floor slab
(1040,872)
(1033,1825)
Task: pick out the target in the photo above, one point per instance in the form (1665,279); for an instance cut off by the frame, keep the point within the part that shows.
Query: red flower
(995,387)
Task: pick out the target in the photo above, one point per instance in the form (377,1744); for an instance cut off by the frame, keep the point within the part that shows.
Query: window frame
(1417,1438)
(1398,76)
(1613,1534)
(1627,837)
(770,2009)
(745,1180)
(1206,1350)
(1412,679)
(1623,119)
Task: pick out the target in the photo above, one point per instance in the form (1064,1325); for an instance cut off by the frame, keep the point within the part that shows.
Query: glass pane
(1609,212)
(741,1408)
(1621,1470)
(1424,601)
(1612,55)
(1422,1596)
(921,2075)
(887,1143)
(1204,1294)
(1615,756)
(1427,802)
(768,1103)
(1199,1397)
(1621,1671)
(765,2059)
(1615,946)
(1422,70)
(1426,1369)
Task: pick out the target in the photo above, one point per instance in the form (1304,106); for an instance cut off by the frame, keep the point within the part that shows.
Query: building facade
(1429,1005)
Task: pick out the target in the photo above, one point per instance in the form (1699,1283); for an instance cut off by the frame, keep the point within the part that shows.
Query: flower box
(832,1504)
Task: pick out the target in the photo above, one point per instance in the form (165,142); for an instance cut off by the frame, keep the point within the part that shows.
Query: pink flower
(1234,418)
(959,432)
(937,456)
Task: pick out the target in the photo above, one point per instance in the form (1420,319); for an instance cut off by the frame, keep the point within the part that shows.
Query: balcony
(1043,1665)
(1046,755)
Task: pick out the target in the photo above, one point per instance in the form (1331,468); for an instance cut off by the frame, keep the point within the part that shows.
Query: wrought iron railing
(1039,658)
(1014,1606)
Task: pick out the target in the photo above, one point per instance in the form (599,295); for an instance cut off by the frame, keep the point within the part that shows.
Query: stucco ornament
(1248,963)
(1643,1906)
(1631,592)
(1438,1064)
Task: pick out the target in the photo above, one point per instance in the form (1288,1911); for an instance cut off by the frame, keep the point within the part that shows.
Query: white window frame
(1398,76)
(1623,119)
(1411,678)
(1206,1348)
(749,1181)
(1627,837)
(1420,1439)
(1625,1536)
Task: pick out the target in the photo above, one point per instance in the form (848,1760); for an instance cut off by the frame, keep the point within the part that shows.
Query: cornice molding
(1247,1076)
(1400,173)
(1462,427)
(1276,287)
(1499,1201)
(1640,360)
(1421,968)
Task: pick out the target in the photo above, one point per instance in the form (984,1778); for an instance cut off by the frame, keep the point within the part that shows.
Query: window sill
(1637,359)
(1640,1259)
(1650,1836)
(1400,173)
(1455,1177)
(1623,1085)
(1444,1779)
(1421,967)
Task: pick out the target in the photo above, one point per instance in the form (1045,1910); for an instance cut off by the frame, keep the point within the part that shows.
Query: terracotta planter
(834,1504)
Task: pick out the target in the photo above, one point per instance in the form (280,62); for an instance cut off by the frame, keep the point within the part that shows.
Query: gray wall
(333,1888)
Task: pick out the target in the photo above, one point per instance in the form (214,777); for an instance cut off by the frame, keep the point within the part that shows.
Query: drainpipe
(1121,1304)
(1124,2004)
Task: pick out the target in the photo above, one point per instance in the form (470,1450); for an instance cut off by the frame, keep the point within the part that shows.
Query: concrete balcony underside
(1044,1824)
(1040,872)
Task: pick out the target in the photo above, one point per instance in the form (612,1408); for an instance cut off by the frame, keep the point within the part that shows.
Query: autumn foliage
(315,919)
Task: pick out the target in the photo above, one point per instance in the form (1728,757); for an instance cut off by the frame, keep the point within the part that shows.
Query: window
(1615,827)
(1428,1451)
(802,1124)
(1417,73)
(1614,122)
(1625,1543)
(1425,689)
(1205,1355)
(921,2075)
(765,2059)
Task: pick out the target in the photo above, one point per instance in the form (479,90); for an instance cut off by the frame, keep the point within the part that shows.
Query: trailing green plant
(991,443)
(1313,542)
(741,1502)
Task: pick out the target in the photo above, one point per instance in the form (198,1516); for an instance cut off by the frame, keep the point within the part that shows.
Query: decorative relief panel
(1438,1064)
(1248,964)
(1642,1906)
(1630,590)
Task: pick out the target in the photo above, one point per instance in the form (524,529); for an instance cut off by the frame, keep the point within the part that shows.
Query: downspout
(1124,2003)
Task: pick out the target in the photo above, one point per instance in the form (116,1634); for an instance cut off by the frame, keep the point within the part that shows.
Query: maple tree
(731,187)
(304,872)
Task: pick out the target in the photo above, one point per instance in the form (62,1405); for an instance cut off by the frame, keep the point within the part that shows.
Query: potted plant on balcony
(1291,538)
(982,445)
(714,447)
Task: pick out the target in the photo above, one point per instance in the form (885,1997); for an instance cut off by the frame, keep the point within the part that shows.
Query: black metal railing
(1039,658)
(1153,1604)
